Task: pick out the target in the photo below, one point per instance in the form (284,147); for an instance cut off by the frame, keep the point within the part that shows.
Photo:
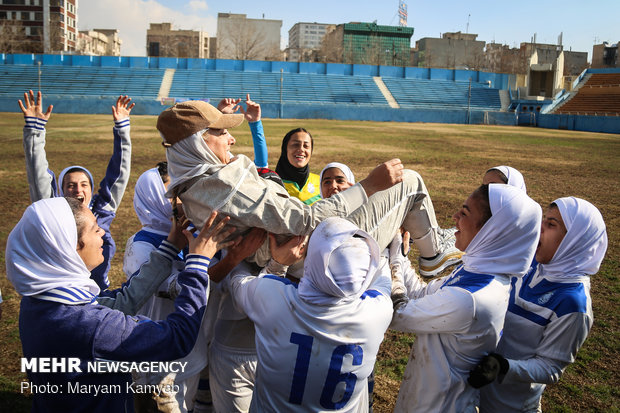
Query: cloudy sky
(582,23)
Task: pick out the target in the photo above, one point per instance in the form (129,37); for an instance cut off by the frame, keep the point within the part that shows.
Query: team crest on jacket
(545,298)
(311,187)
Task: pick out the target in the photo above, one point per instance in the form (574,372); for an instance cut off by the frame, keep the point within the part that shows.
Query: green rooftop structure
(370,43)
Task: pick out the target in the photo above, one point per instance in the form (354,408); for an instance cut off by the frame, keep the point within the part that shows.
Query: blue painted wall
(88,105)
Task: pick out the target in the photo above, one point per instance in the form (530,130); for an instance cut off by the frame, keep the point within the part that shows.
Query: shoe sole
(432,271)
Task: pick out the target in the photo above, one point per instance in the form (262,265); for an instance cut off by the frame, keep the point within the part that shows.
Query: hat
(186,118)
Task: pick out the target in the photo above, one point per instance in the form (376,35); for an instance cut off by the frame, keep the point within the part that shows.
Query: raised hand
(34,108)
(212,238)
(121,110)
(228,105)
(252,112)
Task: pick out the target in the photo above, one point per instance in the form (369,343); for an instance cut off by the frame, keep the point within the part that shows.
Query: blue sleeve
(120,337)
(260,144)
(112,186)
(111,189)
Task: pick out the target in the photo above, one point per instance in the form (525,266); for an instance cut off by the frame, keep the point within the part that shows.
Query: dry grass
(451,158)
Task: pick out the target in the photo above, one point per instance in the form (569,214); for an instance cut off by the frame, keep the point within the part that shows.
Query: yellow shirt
(309,194)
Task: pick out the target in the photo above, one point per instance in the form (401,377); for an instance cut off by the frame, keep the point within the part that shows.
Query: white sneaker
(448,255)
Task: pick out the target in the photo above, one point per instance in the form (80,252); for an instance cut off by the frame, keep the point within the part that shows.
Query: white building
(304,39)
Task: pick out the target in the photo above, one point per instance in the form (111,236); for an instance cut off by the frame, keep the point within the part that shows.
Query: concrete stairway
(386,92)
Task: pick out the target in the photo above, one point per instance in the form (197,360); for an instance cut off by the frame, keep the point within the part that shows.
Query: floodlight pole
(39,74)
(281,87)
(468,101)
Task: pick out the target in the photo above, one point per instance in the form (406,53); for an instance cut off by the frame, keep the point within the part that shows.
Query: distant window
(537,108)
(2,15)
(154,49)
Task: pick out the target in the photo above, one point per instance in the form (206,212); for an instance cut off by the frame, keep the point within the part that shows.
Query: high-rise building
(304,40)
(247,39)
(367,43)
(163,41)
(38,26)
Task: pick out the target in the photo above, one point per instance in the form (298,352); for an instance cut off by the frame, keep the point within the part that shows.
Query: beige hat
(186,118)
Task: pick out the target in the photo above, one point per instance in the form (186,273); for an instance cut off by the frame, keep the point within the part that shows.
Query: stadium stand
(599,95)
(81,80)
(442,94)
(265,87)
(90,84)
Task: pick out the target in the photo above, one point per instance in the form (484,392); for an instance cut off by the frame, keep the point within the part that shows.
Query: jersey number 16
(334,375)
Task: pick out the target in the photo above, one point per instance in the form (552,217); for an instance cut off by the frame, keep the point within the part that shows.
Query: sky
(582,23)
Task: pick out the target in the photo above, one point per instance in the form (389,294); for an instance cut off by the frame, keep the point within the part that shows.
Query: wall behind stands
(604,124)
(495,80)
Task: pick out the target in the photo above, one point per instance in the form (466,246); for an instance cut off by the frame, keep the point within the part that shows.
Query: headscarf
(582,250)
(152,207)
(189,158)
(61,177)
(345,170)
(515,178)
(285,169)
(342,262)
(506,243)
(41,256)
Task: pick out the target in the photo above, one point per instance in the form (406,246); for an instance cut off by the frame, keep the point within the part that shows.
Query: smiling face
(220,142)
(333,182)
(299,149)
(469,220)
(90,241)
(552,232)
(77,185)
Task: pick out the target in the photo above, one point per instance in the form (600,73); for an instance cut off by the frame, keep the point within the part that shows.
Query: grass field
(451,158)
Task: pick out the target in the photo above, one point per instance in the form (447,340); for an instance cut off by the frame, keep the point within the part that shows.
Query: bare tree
(246,42)
(13,37)
(332,48)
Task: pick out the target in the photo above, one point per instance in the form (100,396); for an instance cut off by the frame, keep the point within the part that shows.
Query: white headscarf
(189,158)
(61,177)
(345,170)
(506,243)
(150,203)
(41,256)
(515,178)
(582,250)
(339,267)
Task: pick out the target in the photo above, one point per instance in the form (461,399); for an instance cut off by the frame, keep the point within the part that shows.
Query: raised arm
(40,179)
(252,114)
(138,338)
(112,186)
